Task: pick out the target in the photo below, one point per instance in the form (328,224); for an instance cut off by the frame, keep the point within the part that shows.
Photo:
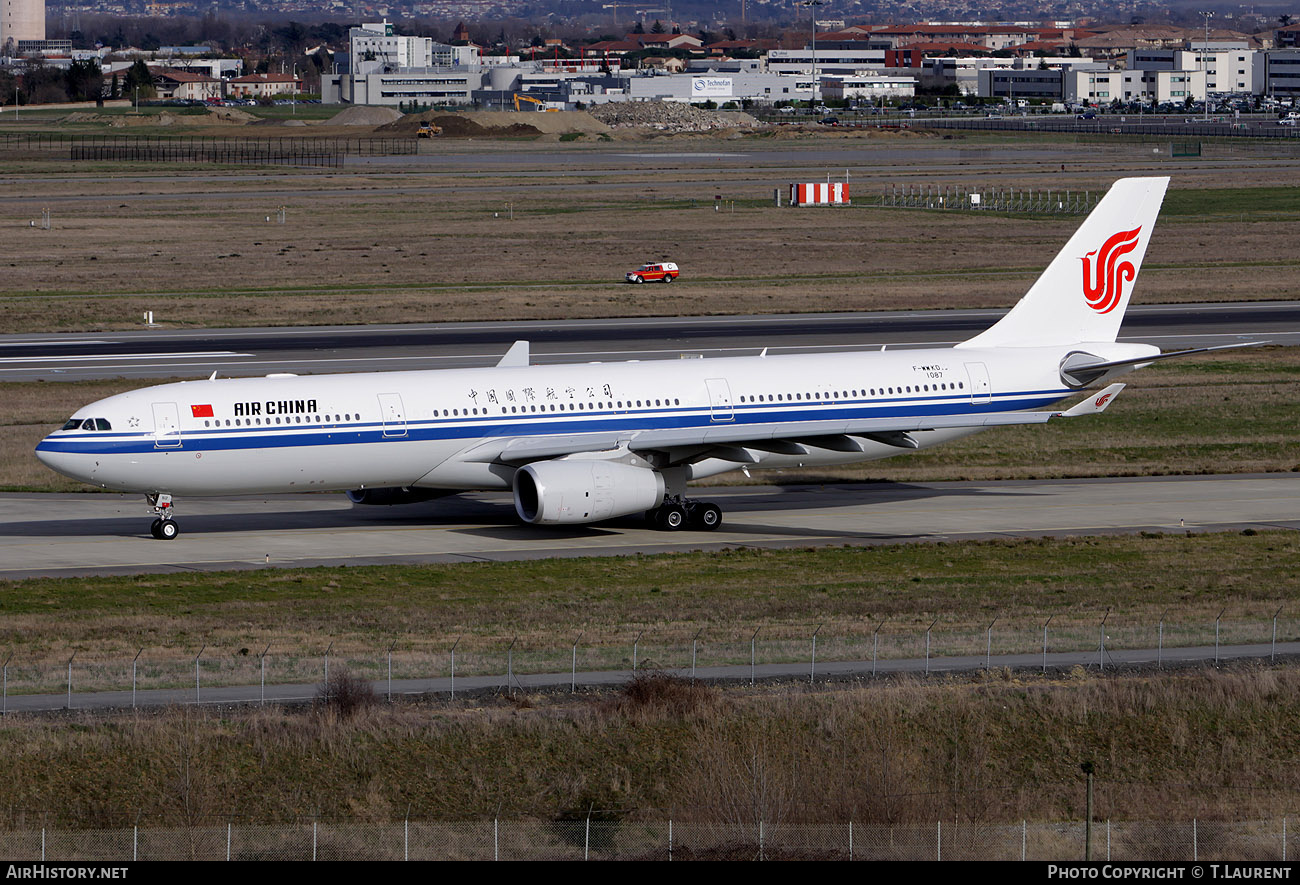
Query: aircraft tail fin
(1084,292)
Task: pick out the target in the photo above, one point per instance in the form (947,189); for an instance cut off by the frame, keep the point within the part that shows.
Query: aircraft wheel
(154,529)
(706,517)
(670,517)
(167,530)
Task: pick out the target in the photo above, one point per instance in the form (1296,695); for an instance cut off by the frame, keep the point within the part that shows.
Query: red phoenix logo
(1103,283)
(1101,400)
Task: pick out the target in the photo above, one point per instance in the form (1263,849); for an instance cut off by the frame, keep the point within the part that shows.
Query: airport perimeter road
(95,534)
(164,353)
(1113,659)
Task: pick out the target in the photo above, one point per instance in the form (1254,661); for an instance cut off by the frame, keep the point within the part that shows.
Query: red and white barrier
(820,194)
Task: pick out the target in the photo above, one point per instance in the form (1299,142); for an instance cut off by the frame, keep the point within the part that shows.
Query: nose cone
(59,459)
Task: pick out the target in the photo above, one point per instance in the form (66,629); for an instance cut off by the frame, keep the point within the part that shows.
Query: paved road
(96,534)
(169,353)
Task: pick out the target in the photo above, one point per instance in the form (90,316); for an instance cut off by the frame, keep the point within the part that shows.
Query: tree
(638,28)
(657,27)
(138,78)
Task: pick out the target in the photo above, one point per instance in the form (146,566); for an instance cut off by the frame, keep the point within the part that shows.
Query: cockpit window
(87,424)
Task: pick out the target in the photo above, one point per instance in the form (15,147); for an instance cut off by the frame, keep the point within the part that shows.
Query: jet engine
(393,495)
(581,491)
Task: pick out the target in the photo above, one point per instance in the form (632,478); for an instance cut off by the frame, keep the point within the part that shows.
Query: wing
(733,441)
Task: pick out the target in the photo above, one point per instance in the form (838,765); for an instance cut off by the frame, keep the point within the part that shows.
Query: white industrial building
(21,21)
(1229,67)
(1104,86)
(868,87)
(828,61)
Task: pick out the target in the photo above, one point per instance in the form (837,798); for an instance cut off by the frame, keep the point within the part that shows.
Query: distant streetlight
(1205,47)
(812,14)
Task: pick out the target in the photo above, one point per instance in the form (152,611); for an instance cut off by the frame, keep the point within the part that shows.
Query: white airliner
(595,441)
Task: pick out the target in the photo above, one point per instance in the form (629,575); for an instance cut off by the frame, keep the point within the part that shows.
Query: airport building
(21,21)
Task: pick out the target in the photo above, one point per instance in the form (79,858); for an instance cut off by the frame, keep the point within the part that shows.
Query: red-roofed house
(666,41)
(186,86)
(263,85)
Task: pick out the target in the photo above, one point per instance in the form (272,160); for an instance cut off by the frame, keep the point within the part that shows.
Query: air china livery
(590,442)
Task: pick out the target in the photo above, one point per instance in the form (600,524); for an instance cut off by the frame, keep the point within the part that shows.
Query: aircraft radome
(583,443)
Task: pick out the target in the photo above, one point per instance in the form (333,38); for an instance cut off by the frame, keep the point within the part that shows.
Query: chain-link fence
(745,653)
(969,198)
(659,840)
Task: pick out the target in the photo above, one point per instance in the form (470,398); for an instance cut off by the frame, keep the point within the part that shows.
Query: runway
(167,353)
(98,534)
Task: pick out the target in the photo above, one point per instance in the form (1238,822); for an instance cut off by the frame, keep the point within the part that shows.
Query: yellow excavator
(428,130)
(541,105)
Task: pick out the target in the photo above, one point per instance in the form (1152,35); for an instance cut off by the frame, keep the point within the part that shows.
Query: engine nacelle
(393,495)
(576,492)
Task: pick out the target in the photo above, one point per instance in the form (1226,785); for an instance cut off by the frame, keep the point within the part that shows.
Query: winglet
(516,356)
(1095,403)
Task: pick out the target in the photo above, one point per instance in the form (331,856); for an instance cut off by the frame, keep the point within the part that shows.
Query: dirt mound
(463,125)
(365,116)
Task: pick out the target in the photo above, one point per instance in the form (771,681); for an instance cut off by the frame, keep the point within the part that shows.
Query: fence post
(496,839)
(927,644)
(74,654)
(1160,647)
(988,646)
(4,691)
(875,644)
(453,667)
(752,640)
(390,670)
(328,649)
(1048,621)
(573,673)
(851,838)
(670,838)
(1217,619)
(694,640)
(313,840)
(1195,846)
(635,644)
(1024,838)
(228,828)
(196,672)
(938,840)
(133,669)
(510,667)
(812,673)
(1272,658)
(262,661)
(406,837)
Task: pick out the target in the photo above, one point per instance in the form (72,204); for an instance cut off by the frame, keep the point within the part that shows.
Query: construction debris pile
(669,116)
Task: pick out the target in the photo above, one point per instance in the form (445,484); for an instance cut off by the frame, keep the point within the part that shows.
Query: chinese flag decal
(201,411)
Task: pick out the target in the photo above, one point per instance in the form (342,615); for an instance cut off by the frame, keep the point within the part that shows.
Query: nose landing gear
(164,528)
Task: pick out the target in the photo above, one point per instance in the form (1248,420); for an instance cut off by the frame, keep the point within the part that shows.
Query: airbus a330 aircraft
(590,442)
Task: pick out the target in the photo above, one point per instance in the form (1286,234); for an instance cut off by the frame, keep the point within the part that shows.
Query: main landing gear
(164,528)
(673,515)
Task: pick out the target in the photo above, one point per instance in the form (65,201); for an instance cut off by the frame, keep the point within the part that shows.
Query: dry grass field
(1169,747)
(550,235)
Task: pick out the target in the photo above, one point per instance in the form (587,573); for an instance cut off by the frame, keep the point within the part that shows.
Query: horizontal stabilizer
(1081,369)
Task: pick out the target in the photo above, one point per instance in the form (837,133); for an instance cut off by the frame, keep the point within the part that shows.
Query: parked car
(1086,115)
(831,120)
(652,271)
